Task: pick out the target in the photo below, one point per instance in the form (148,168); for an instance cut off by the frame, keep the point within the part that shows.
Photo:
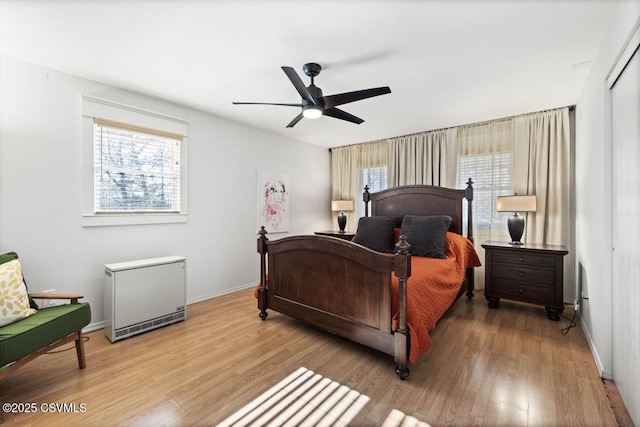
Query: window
(492,174)
(374,177)
(134,162)
(136,169)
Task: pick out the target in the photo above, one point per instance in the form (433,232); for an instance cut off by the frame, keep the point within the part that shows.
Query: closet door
(625,114)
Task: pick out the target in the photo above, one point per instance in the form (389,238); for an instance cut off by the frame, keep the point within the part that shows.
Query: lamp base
(342,221)
(515,224)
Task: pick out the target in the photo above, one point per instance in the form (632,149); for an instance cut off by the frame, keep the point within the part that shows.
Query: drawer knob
(521,259)
(521,290)
(520,273)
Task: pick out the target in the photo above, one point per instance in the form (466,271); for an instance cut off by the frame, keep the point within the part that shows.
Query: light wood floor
(510,366)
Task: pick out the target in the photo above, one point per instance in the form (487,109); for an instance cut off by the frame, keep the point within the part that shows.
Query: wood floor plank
(507,366)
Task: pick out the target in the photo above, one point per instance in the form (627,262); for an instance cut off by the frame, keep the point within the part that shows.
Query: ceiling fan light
(312,112)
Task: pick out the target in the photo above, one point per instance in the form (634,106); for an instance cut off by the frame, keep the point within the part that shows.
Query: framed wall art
(274,201)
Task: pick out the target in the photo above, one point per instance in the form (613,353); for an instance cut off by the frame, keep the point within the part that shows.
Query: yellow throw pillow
(14,301)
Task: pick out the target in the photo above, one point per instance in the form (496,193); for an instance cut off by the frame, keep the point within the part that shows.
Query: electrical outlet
(47,302)
(585,294)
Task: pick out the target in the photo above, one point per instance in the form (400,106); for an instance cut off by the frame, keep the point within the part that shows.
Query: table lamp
(342,205)
(516,204)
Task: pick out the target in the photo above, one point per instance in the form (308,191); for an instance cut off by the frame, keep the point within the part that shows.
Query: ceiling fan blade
(298,84)
(296,120)
(343,115)
(345,98)
(265,103)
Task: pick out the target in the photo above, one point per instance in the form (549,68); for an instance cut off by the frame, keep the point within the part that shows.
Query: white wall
(40,191)
(593,191)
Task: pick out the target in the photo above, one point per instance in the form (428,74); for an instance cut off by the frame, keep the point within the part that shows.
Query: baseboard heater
(143,295)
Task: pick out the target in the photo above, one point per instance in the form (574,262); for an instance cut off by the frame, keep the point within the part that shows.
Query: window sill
(93,220)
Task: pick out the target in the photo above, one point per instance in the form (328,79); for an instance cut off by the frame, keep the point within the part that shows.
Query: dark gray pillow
(376,233)
(426,234)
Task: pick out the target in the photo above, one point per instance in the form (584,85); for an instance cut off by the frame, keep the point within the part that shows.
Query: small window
(136,170)
(374,177)
(492,176)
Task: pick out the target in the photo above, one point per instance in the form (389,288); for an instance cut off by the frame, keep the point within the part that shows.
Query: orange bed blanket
(432,288)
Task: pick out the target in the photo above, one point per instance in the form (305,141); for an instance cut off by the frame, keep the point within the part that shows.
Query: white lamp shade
(342,205)
(516,204)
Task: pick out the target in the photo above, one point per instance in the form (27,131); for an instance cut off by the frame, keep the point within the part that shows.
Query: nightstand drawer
(524,259)
(528,293)
(519,273)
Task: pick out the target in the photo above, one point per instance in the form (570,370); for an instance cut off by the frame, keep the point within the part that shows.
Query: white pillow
(14,301)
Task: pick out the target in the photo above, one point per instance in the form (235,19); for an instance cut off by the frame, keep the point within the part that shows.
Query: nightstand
(529,273)
(336,233)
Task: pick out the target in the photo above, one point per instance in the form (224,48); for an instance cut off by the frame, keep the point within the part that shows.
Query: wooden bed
(345,288)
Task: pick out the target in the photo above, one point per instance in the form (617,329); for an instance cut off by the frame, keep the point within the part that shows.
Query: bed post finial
(262,291)
(365,198)
(469,190)
(402,247)
(262,241)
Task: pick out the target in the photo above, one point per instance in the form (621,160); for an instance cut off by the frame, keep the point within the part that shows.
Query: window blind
(375,177)
(137,169)
(492,175)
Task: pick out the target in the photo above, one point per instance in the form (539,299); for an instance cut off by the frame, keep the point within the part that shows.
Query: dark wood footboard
(345,288)
(338,286)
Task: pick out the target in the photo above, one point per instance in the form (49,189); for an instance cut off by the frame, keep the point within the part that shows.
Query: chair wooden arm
(73,297)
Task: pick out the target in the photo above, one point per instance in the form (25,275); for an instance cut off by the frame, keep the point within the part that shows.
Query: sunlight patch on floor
(305,398)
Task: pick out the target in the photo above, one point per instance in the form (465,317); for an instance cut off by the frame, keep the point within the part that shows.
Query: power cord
(572,323)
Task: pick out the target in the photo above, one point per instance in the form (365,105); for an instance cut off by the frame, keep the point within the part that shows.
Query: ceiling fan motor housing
(311,69)
(316,93)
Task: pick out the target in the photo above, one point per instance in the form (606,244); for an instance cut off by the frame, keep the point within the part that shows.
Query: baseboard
(93,327)
(219,294)
(594,352)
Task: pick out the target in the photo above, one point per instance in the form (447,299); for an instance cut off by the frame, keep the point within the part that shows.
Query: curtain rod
(570,107)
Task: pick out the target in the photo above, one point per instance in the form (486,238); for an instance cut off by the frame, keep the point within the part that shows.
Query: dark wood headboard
(424,200)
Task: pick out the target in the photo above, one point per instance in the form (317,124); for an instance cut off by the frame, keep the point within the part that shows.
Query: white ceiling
(447,62)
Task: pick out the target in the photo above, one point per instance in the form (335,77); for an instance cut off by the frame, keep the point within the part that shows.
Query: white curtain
(347,164)
(344,172)
(485,154)
(548,140)
(547,137)
(533,148)
(427,158)
(344,180)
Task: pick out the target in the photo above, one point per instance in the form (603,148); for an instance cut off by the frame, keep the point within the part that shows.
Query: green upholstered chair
(48,328)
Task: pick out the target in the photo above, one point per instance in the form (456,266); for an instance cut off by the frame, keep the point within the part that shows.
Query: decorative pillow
(10,256)
(396,237)
(14,301)
(426,234)
(376,233)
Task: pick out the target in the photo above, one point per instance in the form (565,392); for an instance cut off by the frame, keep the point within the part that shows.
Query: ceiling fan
(314,104)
